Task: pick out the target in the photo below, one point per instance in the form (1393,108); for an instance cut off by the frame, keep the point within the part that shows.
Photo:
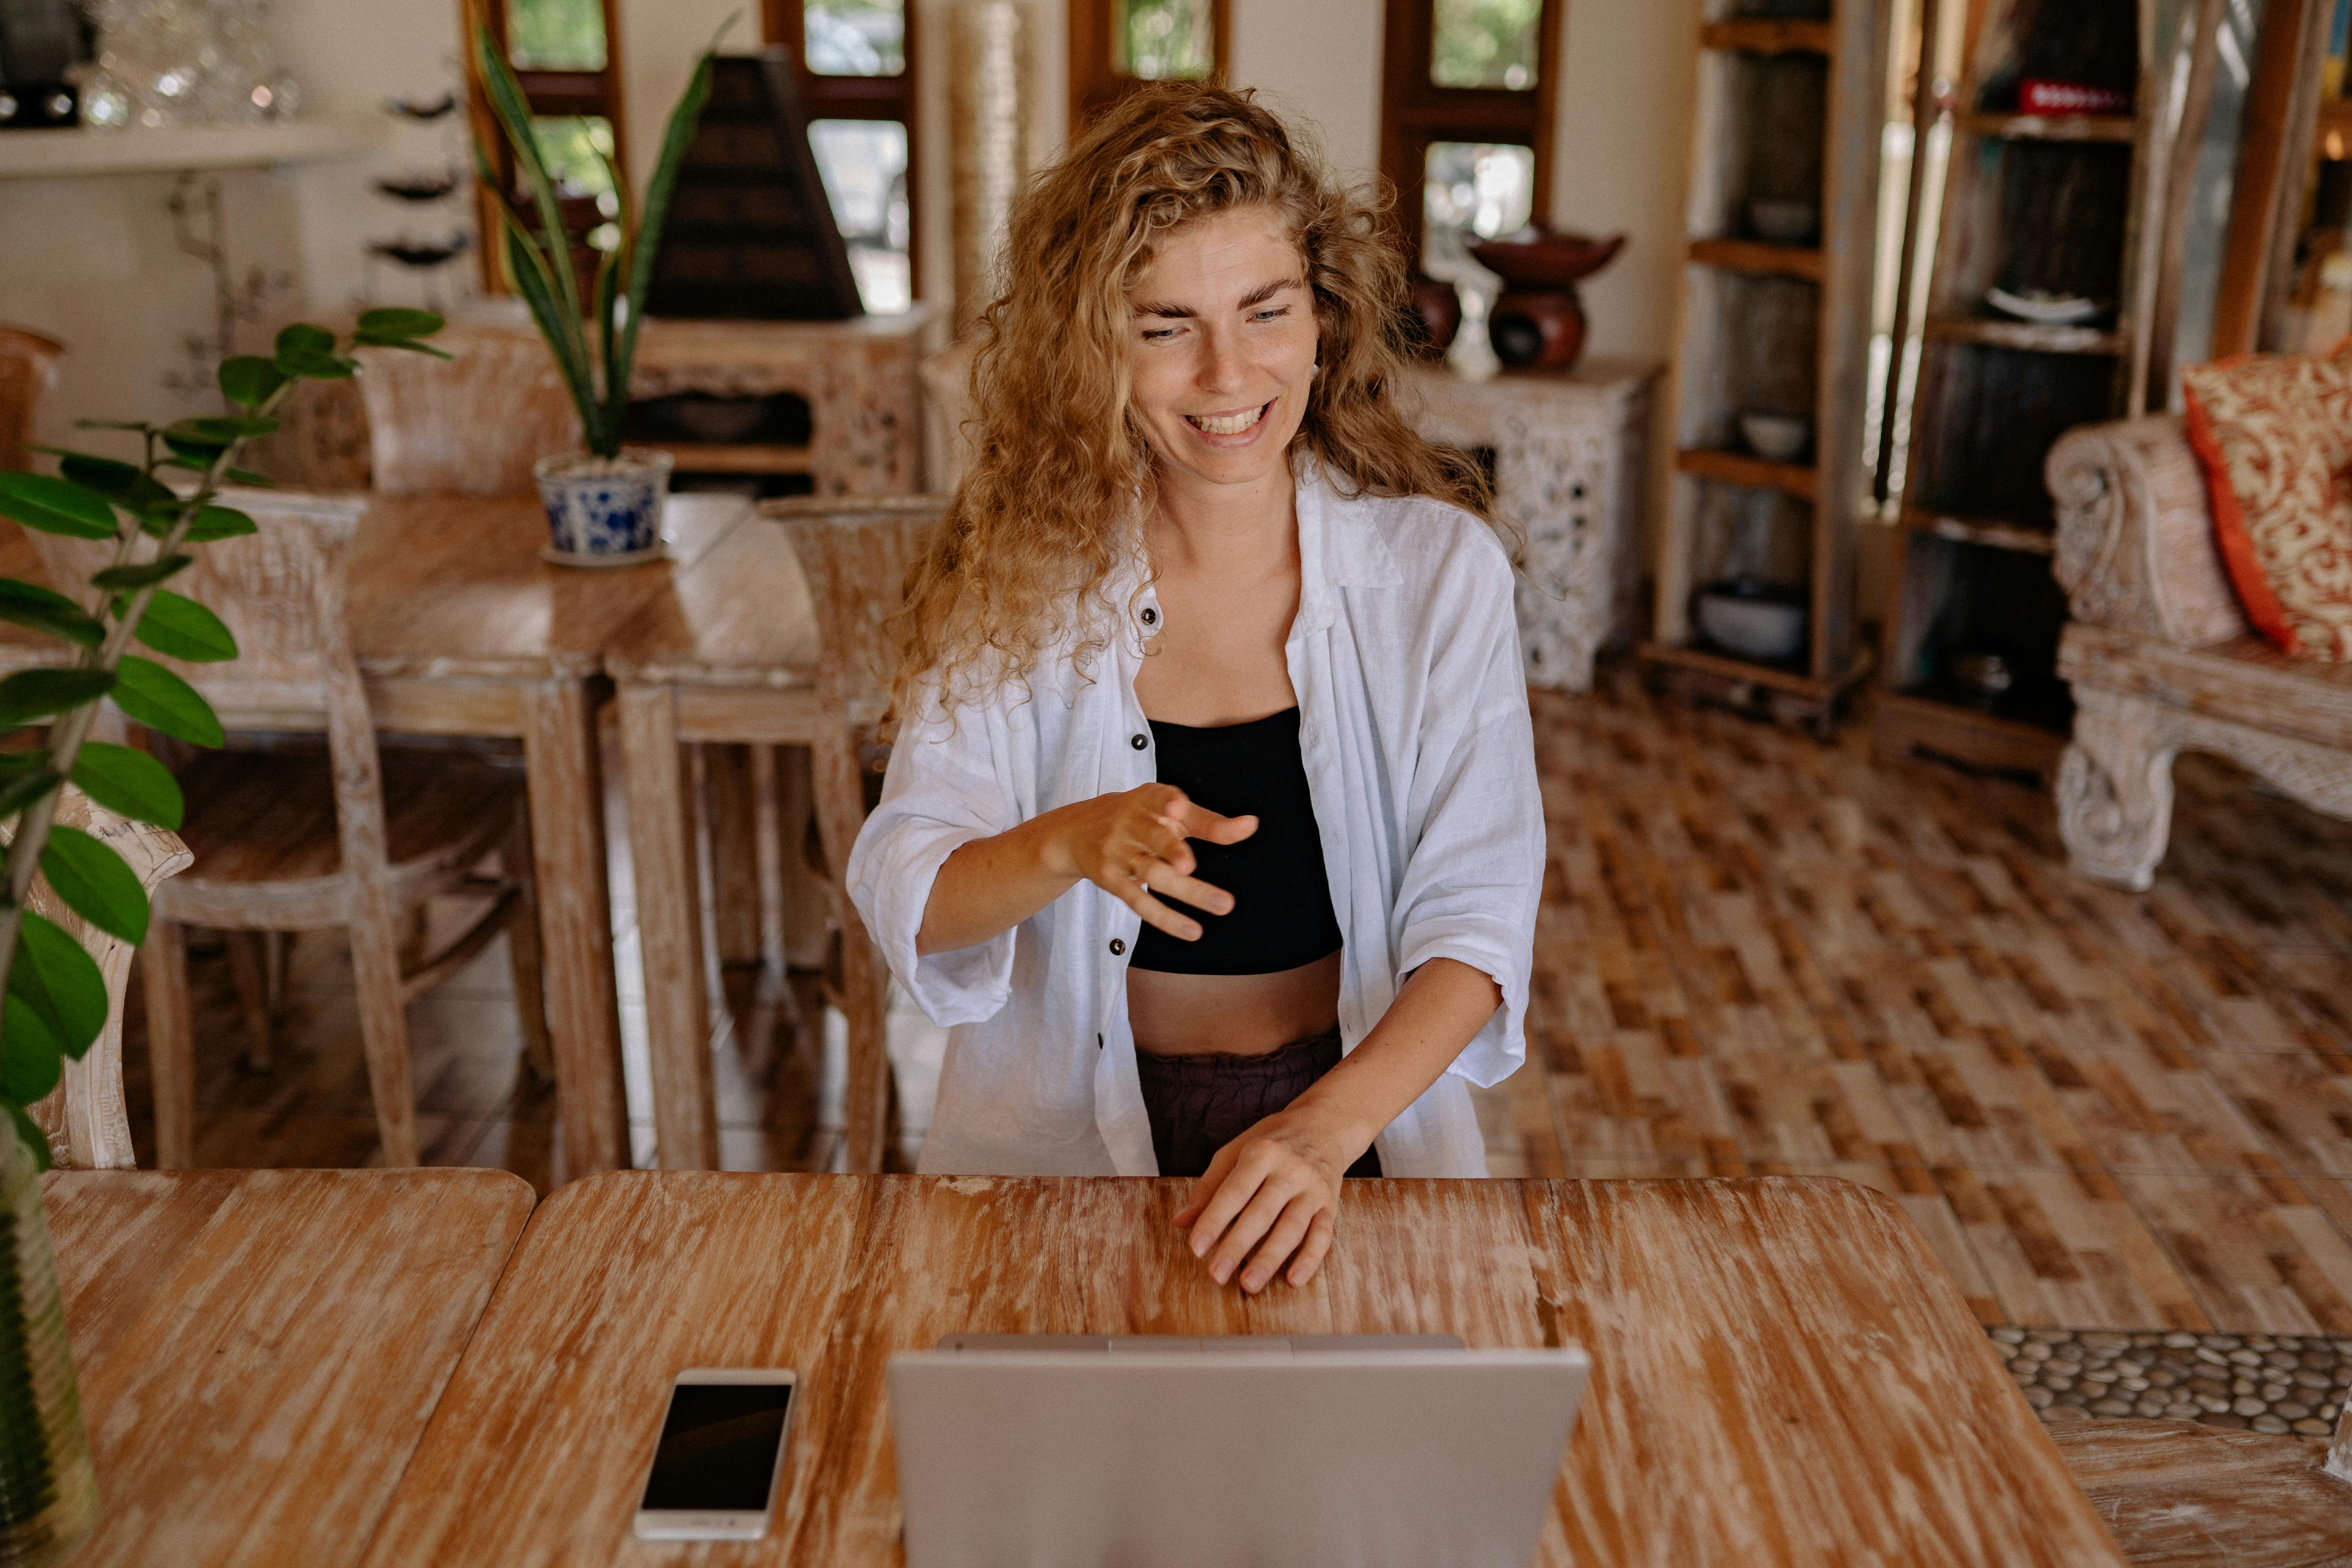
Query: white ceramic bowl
(1780,437)
(1783,220)
(1752,626)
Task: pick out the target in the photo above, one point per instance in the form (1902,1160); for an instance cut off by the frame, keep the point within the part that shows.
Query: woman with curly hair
(1212,823)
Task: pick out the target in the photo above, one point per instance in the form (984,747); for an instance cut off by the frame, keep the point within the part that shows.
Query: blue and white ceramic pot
(604,509)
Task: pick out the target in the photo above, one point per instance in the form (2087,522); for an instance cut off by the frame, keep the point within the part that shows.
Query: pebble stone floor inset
(2260,1383)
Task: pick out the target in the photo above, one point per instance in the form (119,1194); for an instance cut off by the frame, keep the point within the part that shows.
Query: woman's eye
(1156,334)
(1270,313)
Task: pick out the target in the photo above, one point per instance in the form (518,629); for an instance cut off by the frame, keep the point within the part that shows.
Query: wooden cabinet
(2038,208)
(1781,231)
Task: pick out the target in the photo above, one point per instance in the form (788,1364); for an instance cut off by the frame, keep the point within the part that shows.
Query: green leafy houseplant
(53,1001)
(594,339)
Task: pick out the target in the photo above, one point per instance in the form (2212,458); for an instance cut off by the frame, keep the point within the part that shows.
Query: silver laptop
(1351,1450)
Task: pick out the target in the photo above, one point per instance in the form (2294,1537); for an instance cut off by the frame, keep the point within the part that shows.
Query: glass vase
(48,1492)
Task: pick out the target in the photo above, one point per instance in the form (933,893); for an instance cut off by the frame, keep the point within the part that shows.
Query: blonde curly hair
(1046,506)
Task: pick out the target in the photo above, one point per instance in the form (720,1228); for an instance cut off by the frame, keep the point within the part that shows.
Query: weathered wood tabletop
(259,1350)
(1782,1373)
(460,629)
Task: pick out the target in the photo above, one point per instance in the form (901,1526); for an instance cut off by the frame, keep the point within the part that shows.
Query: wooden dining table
(1782,1372)
(727,657)
(461,629)
(259,1350)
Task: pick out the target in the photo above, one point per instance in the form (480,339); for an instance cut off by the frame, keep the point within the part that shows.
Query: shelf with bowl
(2121,128)
(1780,231)
(2000,534)
(2046,283)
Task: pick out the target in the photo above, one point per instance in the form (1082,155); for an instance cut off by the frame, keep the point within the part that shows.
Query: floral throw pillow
(2274,435)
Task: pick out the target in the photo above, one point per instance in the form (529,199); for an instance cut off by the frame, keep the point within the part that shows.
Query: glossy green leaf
(33,694)
(123,579)
(94,883)
(318,367)
(156,698)
(181,628)
(119,481)
(20,788)
(130,782)
(56,506)
(222,432)
(398,324)
(219,522)
(302,338)
(28,1130)
(371,341)
(45,610)
(249,379)
(54,977)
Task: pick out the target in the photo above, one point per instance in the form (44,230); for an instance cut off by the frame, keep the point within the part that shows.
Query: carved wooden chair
(472,425)
(28,369)
(84,1117)
(292,836)
(856,555)
(2162,659)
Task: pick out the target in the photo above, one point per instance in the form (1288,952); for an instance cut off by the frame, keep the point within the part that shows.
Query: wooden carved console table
(1569,466)
(857,377)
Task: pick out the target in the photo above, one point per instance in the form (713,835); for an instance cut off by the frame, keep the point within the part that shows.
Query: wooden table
(461,629)
(1782,1373)
(259,1350)
(726,656)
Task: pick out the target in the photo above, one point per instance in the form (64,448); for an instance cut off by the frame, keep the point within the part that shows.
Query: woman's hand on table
(1271,1198)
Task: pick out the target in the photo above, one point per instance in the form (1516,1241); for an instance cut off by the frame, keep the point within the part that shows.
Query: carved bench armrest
(2135,546)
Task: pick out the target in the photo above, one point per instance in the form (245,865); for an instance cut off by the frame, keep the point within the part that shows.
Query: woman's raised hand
(1135,840)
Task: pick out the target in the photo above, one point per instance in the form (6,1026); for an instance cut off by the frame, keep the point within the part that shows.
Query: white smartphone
(721,1450)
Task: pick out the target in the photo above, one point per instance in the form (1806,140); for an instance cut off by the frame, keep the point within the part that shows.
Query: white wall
(1316,60)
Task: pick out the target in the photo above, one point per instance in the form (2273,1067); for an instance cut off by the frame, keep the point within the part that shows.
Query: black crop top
(1282,898)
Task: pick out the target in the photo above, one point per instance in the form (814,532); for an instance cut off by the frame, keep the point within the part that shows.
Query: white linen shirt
(1420,760)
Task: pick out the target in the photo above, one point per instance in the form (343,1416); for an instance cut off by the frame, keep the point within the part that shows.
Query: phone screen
(717,1450)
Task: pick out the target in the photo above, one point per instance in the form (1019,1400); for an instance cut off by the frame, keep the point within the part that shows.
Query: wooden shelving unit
(2030,203)
(1790,110)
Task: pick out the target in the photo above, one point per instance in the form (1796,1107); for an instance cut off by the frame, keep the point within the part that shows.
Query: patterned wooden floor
(1758,955)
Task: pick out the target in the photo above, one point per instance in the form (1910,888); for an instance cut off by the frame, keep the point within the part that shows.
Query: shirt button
(1116,947)
(1137,741)
(1151,616)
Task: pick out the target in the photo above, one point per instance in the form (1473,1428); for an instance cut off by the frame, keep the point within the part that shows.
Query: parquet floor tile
(2259,1254)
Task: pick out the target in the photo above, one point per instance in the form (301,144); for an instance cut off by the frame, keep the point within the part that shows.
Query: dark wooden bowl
(1548,260)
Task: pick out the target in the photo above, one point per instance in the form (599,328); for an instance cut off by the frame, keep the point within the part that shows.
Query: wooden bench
(2162,659)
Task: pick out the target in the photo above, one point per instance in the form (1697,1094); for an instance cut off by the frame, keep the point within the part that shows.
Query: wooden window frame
(1416,111)
(785,26)
(550,93)
(1095,83)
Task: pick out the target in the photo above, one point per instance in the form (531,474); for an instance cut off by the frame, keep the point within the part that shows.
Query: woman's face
(1222,337)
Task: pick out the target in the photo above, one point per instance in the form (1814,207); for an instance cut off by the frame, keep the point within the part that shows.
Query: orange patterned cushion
(2274,435)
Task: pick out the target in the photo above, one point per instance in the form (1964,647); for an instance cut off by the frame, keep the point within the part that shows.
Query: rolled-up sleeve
(1474,874)
(945,787)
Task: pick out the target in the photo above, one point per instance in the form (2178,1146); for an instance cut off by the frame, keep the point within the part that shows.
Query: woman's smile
(1235,430)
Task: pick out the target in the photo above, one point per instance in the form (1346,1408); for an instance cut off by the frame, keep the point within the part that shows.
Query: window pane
(568,146)
(864,164)
(1485,43)
(556,35)
(1161,40)
(854,38)
(1472,190)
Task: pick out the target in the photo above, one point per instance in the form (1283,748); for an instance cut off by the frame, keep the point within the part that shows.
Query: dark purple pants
(1199,1104)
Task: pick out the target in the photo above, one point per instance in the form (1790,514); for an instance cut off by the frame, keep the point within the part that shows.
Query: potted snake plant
(603,507)
(56,1001)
